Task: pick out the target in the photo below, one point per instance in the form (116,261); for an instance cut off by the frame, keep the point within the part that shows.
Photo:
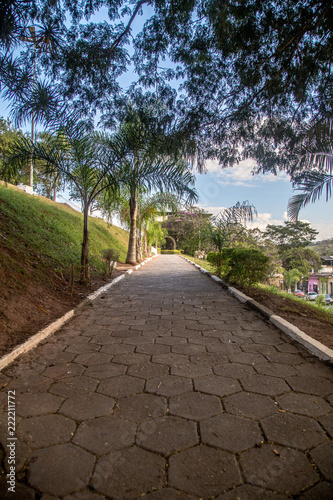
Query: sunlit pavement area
(166,387)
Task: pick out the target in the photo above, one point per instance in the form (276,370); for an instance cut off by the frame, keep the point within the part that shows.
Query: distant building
(322,281)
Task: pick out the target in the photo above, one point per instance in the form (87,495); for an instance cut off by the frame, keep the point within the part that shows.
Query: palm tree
(146,166)
(316,161)
(83,163)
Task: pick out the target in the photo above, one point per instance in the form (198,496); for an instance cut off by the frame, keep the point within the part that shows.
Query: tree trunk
(85,247)
(139,245)
(145,249)
(55,189)
(131,253)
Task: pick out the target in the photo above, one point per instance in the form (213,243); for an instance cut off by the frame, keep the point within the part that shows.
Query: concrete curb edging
(313,346)
(56,325)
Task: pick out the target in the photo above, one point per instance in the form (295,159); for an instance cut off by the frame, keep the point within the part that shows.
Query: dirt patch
(27,305)
(312,322)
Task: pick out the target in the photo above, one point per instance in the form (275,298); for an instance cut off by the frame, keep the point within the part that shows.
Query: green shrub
(110,256)
(247,266)
(212,257)
(170,252)
(221,262)
(320,299)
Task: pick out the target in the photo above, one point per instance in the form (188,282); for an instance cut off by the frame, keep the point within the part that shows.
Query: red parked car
(299,293)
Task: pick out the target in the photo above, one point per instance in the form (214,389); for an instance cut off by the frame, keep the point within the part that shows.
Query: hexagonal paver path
(166,387)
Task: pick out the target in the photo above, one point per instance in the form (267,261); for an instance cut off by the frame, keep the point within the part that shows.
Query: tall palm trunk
(85,246)
(139,243)
(55,189)
(145,248)
(133,205)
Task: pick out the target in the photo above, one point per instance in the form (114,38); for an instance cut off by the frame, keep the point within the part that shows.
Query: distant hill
(324,247)
(39,242)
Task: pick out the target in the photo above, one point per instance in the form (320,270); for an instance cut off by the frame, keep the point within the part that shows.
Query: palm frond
(316,151)
(312,185)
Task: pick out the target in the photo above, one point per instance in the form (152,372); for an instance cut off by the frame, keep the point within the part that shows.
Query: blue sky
(221,188)
(268,193)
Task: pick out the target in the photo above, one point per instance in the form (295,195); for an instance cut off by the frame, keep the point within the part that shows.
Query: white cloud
(241,174)
(325,230)
(261,221)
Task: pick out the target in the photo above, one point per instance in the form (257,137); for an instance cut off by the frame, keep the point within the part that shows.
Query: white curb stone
(313,346)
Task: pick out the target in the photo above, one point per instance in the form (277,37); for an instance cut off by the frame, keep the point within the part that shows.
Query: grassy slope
(38,231)
(39,242)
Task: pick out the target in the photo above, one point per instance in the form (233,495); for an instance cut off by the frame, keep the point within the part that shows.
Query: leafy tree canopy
(303,259)
(291,235)
(251,72)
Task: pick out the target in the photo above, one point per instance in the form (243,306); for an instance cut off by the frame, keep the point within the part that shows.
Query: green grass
(40,233)
(324,311)
(311,306)
(201,262)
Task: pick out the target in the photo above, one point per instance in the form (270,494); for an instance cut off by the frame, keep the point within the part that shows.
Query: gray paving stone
(72,386)
(92,358)
(60,470)
(323,457)
(195,406)
(22,491)
(62,370)
(322,491)
(188,349)
(31,404)
(203,471)
(168,385)
(209,359)
(264,384)
(152,349)
(293,430)
(286,358)
(148,370)
(280,469)
(305,404)
(230,432)
(82,348)
(141,407)
(311,385)
(170,359)
(128,473)
(250,405)
(29,384)
(204,351)
(169,494)
(85,406)
(247,358)
(83,495)
(105,434)
(234,370)
(191,370)
(316,370)
(46,430)
(249,492)
(327,423)
(134,358)
(167,435)
(121,386)
(277,370)
(23,454)
(218,386)
(105,370)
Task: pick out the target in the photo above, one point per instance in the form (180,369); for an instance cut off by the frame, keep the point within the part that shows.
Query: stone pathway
(168,388)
